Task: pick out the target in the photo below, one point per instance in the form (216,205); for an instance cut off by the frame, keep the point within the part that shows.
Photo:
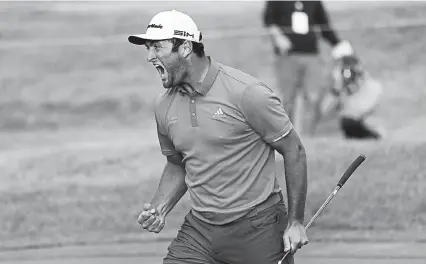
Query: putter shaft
(332,194)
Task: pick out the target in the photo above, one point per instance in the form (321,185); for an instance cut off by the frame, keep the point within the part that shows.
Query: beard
(175,72)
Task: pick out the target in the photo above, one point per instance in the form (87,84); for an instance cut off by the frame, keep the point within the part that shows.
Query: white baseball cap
(167,25)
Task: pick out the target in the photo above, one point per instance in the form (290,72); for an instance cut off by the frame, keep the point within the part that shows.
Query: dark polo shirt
(222,131)
(280,12)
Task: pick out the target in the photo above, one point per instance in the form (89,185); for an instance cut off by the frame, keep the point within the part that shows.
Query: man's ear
(185,49)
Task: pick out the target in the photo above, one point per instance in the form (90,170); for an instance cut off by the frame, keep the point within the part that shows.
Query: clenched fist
(151,219)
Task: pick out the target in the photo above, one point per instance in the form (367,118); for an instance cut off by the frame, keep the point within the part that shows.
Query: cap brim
(138,39)
(143,38)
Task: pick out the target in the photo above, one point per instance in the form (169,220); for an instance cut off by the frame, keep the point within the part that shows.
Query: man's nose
(150,56)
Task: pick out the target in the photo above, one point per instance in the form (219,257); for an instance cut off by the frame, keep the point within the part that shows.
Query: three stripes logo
(219,114)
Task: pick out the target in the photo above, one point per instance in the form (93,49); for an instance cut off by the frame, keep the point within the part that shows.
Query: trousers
(301,86)
(257,238)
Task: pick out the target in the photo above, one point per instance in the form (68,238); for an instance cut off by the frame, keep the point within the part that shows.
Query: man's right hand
(281,42)
(151,219)
(342,49)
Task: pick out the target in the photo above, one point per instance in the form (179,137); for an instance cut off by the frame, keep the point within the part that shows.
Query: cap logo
(155,26)
(183,33)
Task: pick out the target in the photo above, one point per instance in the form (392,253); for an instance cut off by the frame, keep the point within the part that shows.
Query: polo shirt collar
(206,84)
(210,77)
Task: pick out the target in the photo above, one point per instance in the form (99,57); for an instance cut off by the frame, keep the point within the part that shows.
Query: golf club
(340,184)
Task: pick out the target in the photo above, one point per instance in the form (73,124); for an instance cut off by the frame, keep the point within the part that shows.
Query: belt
(273,199)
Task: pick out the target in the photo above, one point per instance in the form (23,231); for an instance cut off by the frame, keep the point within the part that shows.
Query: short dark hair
(197,48)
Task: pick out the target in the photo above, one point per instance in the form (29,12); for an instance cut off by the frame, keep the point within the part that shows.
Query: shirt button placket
(193,112)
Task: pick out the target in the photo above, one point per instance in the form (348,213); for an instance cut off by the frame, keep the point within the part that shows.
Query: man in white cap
(219,129)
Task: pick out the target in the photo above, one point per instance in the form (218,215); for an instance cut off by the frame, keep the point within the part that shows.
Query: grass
(92,195)
(78,155)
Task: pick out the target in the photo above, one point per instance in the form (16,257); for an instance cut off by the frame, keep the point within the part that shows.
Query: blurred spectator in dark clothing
(294,28)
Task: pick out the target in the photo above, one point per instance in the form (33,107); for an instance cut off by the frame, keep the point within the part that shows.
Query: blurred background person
(294,28)
(354,95)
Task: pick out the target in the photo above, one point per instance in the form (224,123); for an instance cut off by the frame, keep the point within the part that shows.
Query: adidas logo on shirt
(219,114)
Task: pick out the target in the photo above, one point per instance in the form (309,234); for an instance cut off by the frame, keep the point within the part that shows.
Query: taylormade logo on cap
(167,25)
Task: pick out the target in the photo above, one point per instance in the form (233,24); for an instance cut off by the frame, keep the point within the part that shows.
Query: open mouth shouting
(161,71)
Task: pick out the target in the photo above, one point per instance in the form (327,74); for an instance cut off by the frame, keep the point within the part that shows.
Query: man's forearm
(296,181)
(171,188)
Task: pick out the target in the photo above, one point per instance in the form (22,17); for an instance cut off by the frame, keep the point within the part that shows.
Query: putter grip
(351,170)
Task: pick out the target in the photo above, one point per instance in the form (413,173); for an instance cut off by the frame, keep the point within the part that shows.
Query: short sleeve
(264,112)
(166,144)
(271,13)
(322,19)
